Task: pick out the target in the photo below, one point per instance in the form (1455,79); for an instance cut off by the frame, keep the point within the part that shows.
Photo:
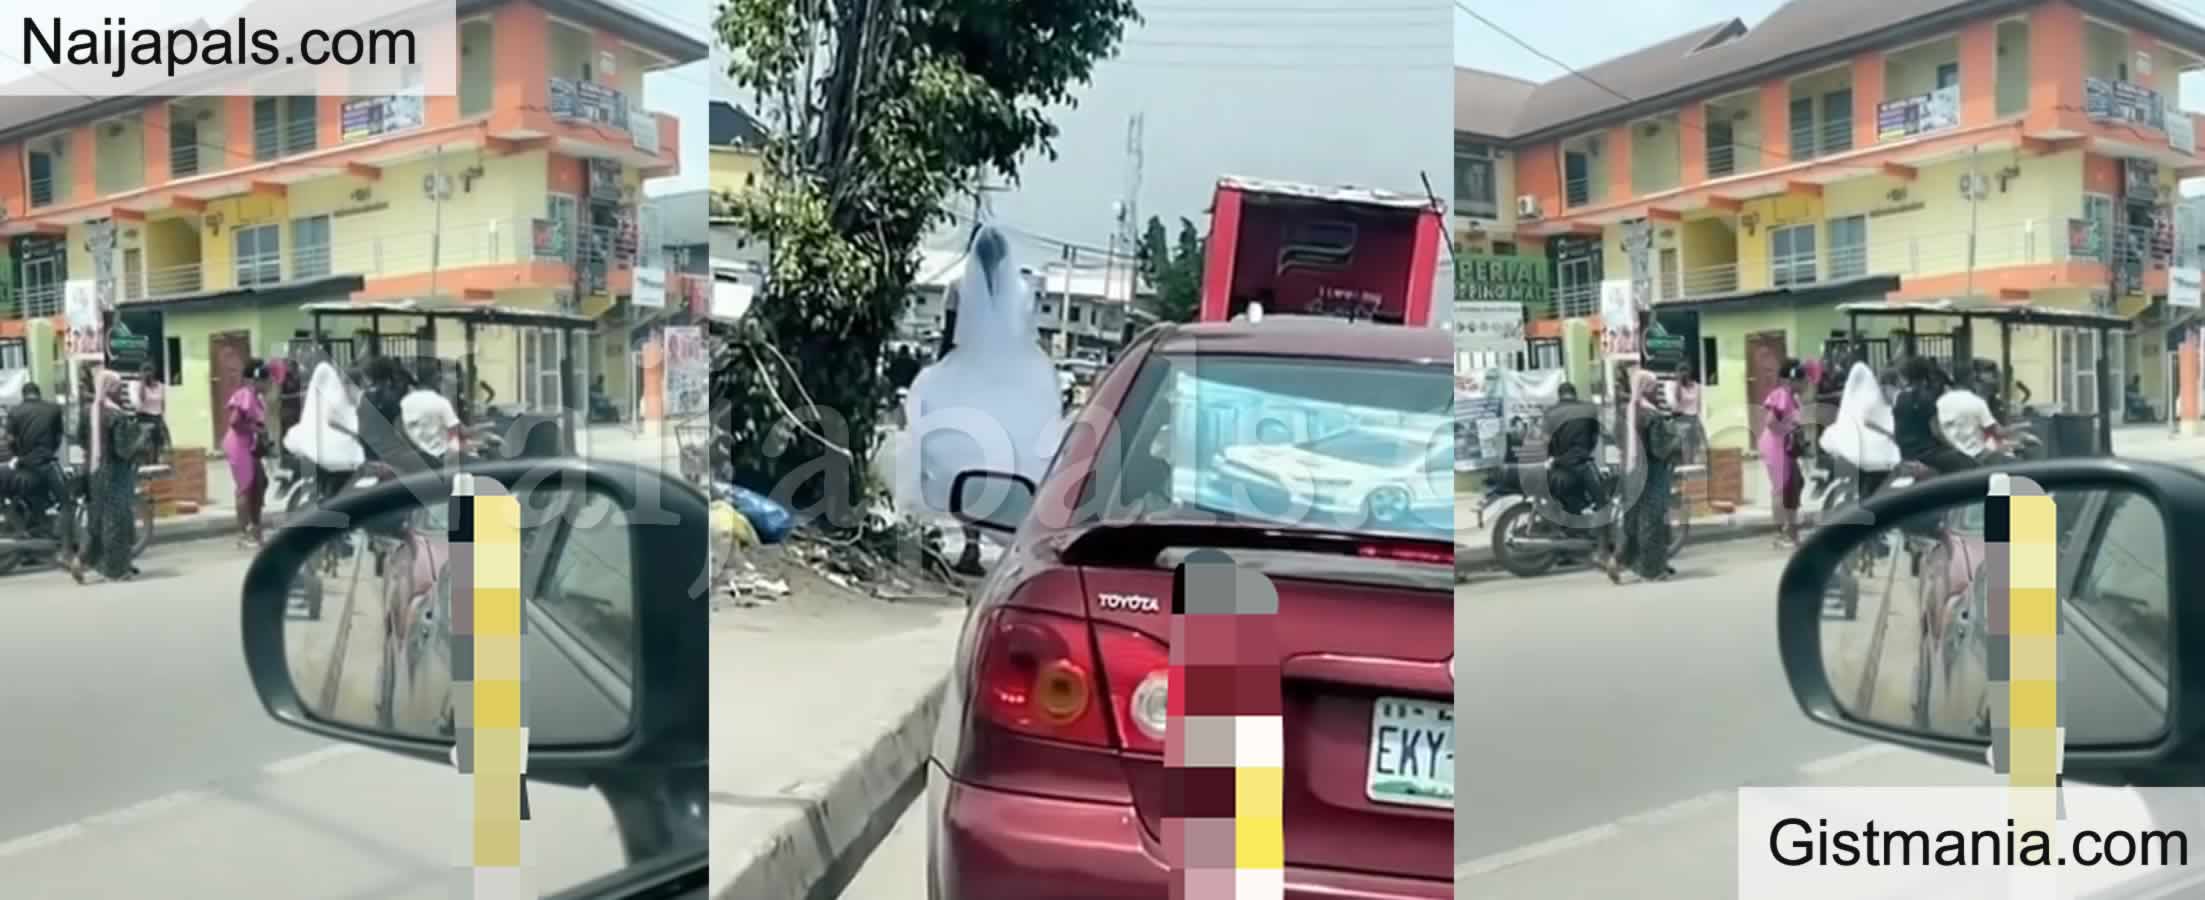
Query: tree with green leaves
(881,115)
(1173,272)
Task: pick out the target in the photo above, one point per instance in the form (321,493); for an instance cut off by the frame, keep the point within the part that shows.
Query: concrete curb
(1471,559)
(828,821)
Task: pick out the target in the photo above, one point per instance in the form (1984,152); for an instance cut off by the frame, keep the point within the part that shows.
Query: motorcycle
(1528,543)
(21,540)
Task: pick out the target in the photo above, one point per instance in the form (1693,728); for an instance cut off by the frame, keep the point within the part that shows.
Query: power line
(1297,48)
(1575,73)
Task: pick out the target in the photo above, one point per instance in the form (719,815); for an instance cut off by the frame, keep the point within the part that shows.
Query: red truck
(1304,250)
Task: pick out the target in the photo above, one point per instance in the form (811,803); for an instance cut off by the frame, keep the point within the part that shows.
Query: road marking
(1848,759)
(141,811)
(1656,817)
(38,839)
(306,761)
(147,809)
(1529,852)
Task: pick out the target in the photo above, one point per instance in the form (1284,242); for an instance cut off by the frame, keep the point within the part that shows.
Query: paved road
(139,762)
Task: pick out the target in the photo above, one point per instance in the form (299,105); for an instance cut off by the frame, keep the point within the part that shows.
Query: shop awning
(477,313)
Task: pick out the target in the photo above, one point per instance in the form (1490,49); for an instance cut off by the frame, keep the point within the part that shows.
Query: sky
(1558,27)
(1343,92)
(1350,91)
(680,92)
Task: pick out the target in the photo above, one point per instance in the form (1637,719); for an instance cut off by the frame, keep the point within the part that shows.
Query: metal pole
(436,239)
(1975,206)
(2105,394)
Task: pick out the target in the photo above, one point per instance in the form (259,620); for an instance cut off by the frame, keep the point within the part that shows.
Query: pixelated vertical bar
(1224,748)
(486,660)
(2022,522)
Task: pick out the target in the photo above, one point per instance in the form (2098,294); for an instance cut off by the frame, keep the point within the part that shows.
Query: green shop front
(1737,342)
(1520,279)
(201,343)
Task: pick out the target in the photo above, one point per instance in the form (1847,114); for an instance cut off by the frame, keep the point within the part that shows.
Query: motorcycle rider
(1968,422)
(1572,427)
(34,433)
(1919,430)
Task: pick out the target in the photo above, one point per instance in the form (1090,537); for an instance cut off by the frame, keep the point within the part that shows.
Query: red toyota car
(1046,778)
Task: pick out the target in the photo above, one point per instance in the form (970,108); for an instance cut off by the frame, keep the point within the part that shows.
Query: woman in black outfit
(1915,415)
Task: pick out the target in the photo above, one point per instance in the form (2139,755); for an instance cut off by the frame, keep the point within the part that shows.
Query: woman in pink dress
(241,443)
(1780,421)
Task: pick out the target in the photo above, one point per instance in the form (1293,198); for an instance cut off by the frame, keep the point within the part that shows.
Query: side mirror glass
(991,501)
(373,626)
(1910,640)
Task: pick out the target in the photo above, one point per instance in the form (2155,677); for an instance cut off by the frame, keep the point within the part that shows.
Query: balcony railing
(1709,280)
(2182,133)
(1942,253)
(1811,140)
(1848,261)
(41,301)
(1722,160)
(588,101)
(2110,100)
(172,281)
(183,161)
(42,192)
(1578,300)
(1792,270)
(1578,192)
(1906,117)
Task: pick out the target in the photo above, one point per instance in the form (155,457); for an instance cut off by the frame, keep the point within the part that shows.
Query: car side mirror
(351,625)
(1891,624)
(991,500)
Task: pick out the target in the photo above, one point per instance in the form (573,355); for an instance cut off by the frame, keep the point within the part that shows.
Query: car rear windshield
(1293,442)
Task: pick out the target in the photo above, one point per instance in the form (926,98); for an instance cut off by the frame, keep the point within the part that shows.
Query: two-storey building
(208,220)
(2020,152)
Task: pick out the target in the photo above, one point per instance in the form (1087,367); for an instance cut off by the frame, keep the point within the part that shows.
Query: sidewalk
(823,713)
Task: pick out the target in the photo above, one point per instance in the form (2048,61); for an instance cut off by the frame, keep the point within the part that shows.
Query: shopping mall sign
(1482,278)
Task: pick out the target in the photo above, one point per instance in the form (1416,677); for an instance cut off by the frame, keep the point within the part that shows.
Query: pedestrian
(117,443)
(245,444)
(1863,434)
(1782,444)
(151,400)
(1691,431)
(1645,525)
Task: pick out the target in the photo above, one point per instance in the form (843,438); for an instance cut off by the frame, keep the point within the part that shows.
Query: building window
(2098,211)
(310,247)
(1792,255)
(1476,191)
(1849,247)
(258,255)
(283,126)
(1576,178)
(1577,282)
(1708,368)
(564,214)
(45,187)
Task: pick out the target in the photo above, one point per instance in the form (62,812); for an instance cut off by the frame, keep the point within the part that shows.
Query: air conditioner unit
(1527,207)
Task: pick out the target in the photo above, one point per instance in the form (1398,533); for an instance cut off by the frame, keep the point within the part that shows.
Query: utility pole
(439,190)
(1975,204)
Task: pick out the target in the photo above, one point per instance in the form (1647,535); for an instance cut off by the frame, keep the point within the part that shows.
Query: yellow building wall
(1769,213)
(2024,224)
(1706,243)
(190,403)
(1657,163)
(485,223)
(733,170)
(218,234)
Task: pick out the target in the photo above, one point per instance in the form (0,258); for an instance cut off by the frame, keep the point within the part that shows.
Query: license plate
(1412,753)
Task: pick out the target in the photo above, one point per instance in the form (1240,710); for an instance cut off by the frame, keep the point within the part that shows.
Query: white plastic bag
(328,403)
(992,402)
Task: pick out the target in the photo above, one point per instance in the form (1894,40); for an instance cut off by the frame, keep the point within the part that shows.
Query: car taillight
(1037,675)
(1416,553)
